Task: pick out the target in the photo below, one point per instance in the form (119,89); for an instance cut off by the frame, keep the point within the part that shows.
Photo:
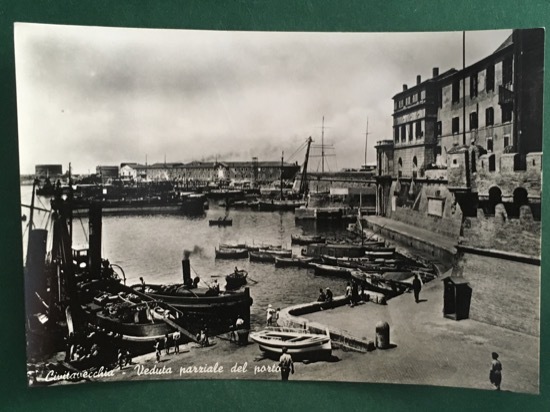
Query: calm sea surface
(152,247)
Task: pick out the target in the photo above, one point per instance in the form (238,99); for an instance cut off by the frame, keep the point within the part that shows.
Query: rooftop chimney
(418,79)
(404,87)
(435,72)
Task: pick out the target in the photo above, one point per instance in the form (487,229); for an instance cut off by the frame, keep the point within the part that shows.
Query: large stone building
(200,173)
(467,144)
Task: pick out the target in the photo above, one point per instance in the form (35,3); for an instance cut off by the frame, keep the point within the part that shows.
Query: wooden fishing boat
(300,344)
(232,246)
(236,279)
(390,284)
(231,253)
(306,239)
(294,261)
(281,205)
(221,221)
(329,270)
(261,257)
(264,246)
(380,253)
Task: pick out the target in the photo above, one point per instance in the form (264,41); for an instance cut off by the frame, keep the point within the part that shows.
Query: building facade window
(489,116)
(490,78)
(490,144)
(506,141)
(456,91)
(403,133)
(440,97)
(506,113)
(507,71)
(439,128)
(399,167)
(396,134)
(456,125)
(418,129)
(473,85)
(473,120)
(410,131)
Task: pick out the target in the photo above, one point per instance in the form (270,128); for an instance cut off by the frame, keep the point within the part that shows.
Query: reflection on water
(152,247)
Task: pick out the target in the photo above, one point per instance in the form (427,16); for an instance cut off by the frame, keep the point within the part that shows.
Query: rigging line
(83,229)
(297,150)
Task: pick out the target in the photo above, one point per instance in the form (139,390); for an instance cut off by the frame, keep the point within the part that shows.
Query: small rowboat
(328,270)
(231,253)
(221,222)
(295,261)
(236,279)
(306,239)
(299,343)
(232,246)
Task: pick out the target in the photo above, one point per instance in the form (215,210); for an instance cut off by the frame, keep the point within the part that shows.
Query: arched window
(414,166)
(473,159)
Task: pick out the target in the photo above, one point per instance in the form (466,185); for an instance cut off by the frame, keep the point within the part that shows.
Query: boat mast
(31,217)
(303,182)
(282,159)
(323,146)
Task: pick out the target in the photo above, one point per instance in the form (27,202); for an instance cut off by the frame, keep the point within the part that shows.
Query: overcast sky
(94,95)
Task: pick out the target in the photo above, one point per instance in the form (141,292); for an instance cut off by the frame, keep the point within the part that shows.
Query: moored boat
(306,239)
(299,343)
(231,253)
(261,257)
(294,261)
(221,221)
(386,253)
(329,270)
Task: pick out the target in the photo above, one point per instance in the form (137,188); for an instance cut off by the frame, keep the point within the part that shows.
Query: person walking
(157,350)
(286,364)
(176,338)
(495,374)
(416,287)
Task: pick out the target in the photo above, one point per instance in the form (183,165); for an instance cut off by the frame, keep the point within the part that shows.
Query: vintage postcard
(357,207)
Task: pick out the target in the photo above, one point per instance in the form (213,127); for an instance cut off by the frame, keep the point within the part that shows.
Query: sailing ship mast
(323,146)
(303,181)
(282,160)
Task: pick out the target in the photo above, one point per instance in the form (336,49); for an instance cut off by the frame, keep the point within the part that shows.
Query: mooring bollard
(382,335)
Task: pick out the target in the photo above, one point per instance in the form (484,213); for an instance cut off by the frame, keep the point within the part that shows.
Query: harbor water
(151,246)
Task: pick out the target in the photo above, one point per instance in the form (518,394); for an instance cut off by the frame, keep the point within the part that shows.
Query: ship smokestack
(186,267)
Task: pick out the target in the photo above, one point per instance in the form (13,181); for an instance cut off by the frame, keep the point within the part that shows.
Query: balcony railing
(505,96)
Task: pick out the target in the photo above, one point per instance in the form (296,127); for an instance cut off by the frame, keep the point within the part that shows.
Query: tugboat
(218,309)
(76,292)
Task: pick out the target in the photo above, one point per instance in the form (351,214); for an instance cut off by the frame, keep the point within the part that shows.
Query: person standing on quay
(270,313)
(286,364)
(495,375)
(157,350)
(416,287)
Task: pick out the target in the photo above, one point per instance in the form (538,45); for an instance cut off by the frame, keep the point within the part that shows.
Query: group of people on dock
(272,315)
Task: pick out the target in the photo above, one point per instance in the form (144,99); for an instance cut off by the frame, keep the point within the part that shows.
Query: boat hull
(298,344)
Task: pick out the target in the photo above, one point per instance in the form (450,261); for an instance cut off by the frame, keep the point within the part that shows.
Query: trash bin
(457,295)
(382,335)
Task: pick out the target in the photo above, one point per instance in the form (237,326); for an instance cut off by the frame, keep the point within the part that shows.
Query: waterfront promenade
(429,350)
(433,350)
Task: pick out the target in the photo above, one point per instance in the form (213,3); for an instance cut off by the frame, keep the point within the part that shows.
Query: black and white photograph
(296,206)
